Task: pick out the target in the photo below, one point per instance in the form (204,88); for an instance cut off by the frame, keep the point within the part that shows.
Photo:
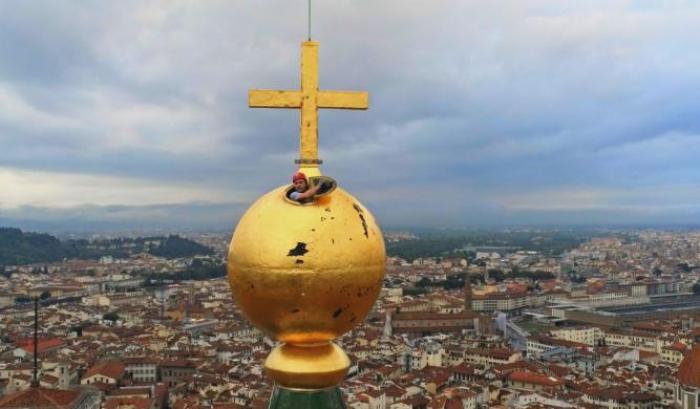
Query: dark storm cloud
(186,216)
(479,112)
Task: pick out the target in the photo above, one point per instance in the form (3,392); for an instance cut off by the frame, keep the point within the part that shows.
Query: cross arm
(265,98)
(343,99)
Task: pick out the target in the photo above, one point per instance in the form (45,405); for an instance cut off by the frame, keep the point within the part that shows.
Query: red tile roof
(677,346)
(128,403)
(689,369)
(394,391)
(108,369)
(454,403)
(40,398)
(177,363)
(497,353)
(43,345)
(463,368)
(534,378)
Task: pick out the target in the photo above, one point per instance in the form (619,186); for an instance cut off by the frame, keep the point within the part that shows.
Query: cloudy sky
(134,113)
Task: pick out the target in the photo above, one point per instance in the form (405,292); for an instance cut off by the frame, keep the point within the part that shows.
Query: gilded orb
(306,274)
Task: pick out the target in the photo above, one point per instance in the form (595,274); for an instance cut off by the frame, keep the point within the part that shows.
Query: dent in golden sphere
(306,273)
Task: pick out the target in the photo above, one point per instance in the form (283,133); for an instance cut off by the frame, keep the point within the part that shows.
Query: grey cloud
(180,217)
(478,97)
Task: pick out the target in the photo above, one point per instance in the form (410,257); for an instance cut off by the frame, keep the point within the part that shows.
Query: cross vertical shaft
(308,135)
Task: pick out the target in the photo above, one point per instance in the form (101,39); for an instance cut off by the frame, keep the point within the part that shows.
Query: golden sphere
(306,274)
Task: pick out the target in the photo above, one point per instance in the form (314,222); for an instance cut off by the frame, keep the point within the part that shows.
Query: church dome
(689,370)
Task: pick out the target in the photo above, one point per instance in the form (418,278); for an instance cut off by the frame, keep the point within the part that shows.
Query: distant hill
(17,247)
(465,243)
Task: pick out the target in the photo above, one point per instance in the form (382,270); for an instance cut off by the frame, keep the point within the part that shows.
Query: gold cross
(309,99)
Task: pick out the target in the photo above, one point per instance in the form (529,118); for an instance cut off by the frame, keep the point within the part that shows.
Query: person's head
(299,182)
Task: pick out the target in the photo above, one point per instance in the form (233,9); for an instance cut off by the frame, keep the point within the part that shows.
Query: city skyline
(134,114)
(566,321)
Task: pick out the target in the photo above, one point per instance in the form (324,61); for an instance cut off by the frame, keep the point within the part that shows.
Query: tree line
(455,281)
(462,244)
(18,248)
(197,271)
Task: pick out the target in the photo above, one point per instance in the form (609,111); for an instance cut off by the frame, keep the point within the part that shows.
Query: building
(533,381)
(659,308)
(688,386)
(107,373)
(538,345)
(142,369)
(618,397)
(468,295)
(198,326)
(175,372)
(632,339)
(44,346)
(583,335)
(674,353)
(43,398)
(511,304)
(491,356)
(426,323)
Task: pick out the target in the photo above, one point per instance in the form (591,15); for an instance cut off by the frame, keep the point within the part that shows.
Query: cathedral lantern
(306,272)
